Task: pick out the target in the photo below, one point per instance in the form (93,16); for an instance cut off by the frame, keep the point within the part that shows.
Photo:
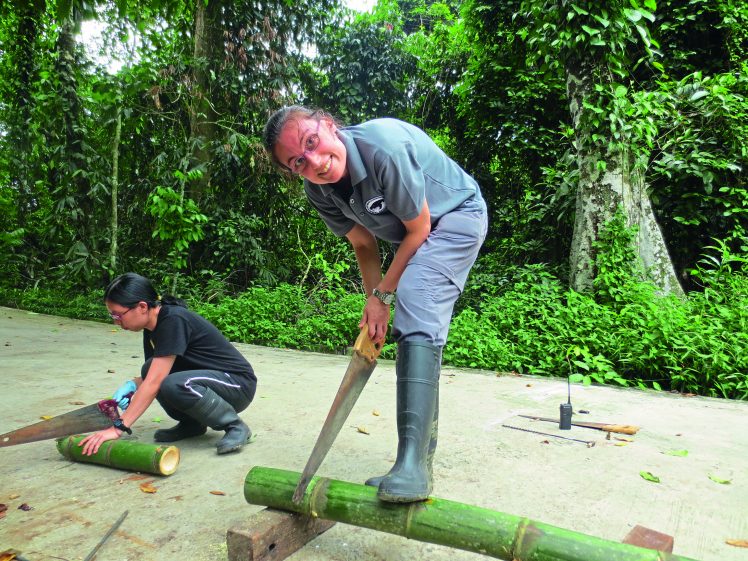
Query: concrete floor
(51,364)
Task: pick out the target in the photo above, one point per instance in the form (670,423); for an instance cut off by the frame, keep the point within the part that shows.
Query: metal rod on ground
(106,536)
(589,443)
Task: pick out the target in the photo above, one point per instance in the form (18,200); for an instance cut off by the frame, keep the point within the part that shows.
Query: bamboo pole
(439,521)
(124,454)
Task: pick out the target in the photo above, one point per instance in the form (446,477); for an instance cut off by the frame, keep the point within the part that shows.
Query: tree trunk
(471,528)
(124,454)
(602,192)
(115,191)
(208,48)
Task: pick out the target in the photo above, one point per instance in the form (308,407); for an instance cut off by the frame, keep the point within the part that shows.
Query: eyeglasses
(310,145)
(118,317)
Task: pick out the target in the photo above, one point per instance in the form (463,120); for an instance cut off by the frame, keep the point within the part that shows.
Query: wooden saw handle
(623,429)
(365,347)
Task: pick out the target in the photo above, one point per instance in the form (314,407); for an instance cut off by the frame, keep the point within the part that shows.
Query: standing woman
(386,179)
(194,372)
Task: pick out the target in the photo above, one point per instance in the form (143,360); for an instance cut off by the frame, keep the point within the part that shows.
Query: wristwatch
(385,297)
(120,424)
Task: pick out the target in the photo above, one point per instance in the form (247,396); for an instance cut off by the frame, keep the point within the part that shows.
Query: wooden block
(273,535)
(651,539)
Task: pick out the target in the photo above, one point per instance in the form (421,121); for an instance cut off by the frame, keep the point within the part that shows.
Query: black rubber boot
(375,481)
(417,387)
(183,429)
(212,410)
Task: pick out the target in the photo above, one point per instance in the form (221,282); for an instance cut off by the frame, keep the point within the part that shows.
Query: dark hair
(130,288)
(278,120)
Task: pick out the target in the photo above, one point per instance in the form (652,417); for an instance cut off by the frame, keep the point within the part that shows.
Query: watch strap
(119,424)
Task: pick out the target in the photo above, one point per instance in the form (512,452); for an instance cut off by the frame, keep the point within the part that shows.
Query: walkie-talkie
(564,422)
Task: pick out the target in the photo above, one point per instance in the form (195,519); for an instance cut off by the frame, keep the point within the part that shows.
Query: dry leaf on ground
(45,417)
(737,543)
(375,413)
(147,487)
(362,430)
(217,493)
(13,496)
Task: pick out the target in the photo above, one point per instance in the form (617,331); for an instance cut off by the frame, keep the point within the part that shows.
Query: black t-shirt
(197,343)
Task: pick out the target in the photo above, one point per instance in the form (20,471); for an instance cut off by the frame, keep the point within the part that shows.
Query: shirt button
(353,202)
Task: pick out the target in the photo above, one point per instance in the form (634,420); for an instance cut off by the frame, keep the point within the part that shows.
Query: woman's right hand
(377,316)
(120,396)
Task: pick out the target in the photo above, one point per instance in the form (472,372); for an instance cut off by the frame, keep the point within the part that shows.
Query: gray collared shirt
(393,167)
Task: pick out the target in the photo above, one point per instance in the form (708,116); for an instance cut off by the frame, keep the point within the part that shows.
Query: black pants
(182,390)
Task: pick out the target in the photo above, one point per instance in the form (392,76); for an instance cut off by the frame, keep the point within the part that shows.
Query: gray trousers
(436,276)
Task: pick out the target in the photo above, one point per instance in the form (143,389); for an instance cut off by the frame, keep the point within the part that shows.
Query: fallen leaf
(25,507)
(624,438)
(45,417)
(76,402)
(719,480)
(544,442)
(135,477)
(14,496)
(111,371)
(649,477)
(621,444)
(217,493)
(528,385)
(147,487)
(681,453)
(737,543)
(3,510)
(375,413)
(362,429)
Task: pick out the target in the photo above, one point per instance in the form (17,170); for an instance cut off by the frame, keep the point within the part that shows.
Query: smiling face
(312,149)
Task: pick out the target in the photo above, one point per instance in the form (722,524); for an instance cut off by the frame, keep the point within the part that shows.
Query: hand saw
(96,416)
(607,427)
(362,364)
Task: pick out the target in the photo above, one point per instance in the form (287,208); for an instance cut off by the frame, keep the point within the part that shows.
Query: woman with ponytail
(191,369)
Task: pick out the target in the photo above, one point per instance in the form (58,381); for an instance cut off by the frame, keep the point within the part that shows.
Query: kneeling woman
(195,373)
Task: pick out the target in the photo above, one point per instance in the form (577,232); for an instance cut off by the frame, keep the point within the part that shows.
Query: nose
(314,159)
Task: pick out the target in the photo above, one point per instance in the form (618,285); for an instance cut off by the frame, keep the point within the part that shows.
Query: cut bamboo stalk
(439,521)
(124,454)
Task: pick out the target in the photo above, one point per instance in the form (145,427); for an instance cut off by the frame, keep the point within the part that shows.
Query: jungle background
(609,138)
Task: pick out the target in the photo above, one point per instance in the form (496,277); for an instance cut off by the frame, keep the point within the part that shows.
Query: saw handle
(623,429)
(365,346)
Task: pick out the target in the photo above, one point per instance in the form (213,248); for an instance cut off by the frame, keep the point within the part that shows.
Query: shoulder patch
(376,205)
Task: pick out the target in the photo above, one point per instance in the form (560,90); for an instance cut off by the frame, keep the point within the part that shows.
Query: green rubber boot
(409,479)
(183,429)
(213,411)
(376,480)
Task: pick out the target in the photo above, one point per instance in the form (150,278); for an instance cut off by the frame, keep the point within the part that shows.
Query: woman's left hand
(93,441)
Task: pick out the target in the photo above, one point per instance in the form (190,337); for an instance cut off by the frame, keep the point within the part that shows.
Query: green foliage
(698,345)
(178,220)
(286,317)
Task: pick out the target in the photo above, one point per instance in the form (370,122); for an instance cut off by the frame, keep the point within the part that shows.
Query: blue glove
(122,391)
